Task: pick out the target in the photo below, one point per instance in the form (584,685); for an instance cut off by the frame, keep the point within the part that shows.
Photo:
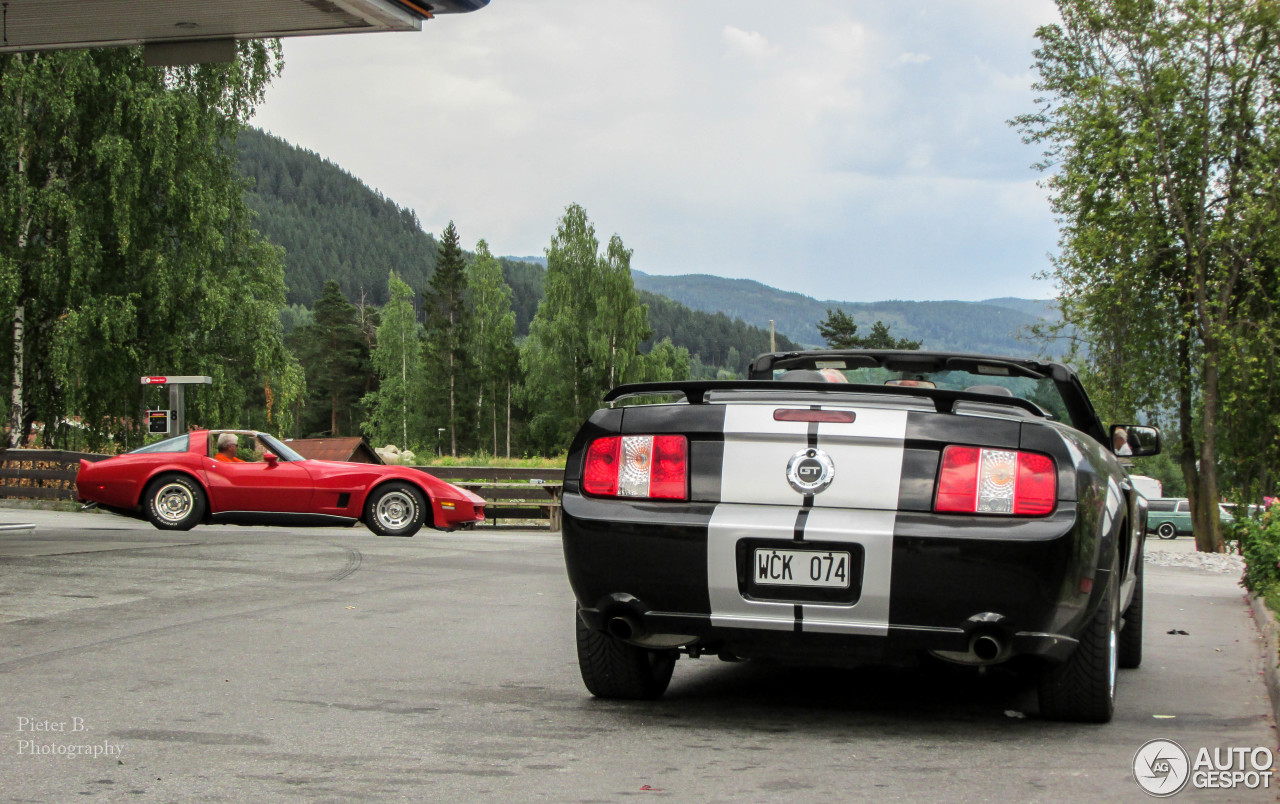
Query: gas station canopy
(64,24)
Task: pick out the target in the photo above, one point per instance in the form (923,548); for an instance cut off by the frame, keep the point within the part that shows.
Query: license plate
(802,568)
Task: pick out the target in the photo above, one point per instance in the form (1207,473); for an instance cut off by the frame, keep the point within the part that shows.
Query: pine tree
(838,330)
(333,352)
(447,371)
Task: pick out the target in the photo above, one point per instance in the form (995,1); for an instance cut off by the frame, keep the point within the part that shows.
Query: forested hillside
(331,224)
(996,327)
(334,226)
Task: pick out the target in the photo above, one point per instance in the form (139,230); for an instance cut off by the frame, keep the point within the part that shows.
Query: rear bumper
(898,641)
(929,582)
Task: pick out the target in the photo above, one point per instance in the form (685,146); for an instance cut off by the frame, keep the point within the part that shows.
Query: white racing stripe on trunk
(874,531)
(729,523)
(860,507)
(867,455)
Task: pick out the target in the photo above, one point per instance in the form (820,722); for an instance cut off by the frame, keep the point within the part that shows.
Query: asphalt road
(242,664)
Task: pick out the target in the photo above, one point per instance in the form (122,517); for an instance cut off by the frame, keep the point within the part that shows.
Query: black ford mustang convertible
(859,507)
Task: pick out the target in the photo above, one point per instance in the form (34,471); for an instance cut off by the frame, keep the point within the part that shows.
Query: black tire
(395,509)
(1167,531)
(173,502)
(1130,657)
(1083,688)
(612,668)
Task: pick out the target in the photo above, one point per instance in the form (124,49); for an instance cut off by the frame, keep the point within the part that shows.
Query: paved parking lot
(264,664)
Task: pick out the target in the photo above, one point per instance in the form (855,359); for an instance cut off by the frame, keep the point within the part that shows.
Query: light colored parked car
(1170,517)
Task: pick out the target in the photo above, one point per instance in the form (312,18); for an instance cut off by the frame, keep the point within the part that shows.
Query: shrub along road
(269,664)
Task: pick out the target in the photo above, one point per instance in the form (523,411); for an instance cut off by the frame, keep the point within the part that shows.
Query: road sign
(177,379)
(158,421)
(176,416)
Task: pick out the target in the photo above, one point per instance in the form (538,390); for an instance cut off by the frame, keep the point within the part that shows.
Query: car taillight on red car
(979,480)
(648,466)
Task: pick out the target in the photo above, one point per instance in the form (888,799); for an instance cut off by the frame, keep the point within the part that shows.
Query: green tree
(585,336)
(620,321)
(125,244)
(665,362)
(447,370)
(333,351)
(840,332)
(1160,125)
(397,359)
(493,351)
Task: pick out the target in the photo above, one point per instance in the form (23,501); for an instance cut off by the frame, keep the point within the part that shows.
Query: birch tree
(585,336)
(1161,123)
(493,351)
(397,361)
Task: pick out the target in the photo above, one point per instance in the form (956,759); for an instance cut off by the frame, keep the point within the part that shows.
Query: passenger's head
(1119,438)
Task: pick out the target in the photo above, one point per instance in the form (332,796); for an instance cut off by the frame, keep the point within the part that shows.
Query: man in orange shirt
(227,445)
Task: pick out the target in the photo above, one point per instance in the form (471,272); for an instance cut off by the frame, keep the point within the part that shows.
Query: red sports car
(257,480)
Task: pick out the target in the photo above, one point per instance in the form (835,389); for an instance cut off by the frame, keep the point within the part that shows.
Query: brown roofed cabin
(350,450)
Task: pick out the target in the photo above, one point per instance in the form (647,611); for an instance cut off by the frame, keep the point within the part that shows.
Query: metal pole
(773,342)
(178,414)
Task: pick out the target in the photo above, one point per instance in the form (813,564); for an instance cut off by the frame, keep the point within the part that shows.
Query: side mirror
(1135,440)
(271,458)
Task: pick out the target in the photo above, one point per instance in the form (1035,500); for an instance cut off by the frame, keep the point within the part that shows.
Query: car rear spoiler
(695,392)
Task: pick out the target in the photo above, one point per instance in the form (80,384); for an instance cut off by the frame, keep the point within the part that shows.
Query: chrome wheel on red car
(174,502)
(396,509)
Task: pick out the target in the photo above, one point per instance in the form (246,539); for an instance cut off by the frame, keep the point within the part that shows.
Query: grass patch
(555,462)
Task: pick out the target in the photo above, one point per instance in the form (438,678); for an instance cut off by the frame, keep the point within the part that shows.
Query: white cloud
(809,148)
(750,43)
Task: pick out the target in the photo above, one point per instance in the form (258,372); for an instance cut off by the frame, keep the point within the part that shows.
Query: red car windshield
(181,443)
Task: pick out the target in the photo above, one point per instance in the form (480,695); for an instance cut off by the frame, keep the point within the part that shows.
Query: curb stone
(1270,631)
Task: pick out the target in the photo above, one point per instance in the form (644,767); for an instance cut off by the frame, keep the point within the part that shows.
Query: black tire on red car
(1167,531)
(1131,632)
(612,668)
(173,502)
(395,509)
(1083,688)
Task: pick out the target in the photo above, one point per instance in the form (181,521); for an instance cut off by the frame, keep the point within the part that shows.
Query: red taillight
(650,467)
(958,480)
(670,468)
(1037,485)
(600,475)
(976,480)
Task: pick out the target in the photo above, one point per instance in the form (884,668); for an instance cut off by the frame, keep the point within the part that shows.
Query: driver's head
(1121,437)
(227,444)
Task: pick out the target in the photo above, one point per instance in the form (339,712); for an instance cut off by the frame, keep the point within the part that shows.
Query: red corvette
(182,481)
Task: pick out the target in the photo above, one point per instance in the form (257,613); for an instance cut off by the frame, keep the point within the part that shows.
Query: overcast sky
(848,149)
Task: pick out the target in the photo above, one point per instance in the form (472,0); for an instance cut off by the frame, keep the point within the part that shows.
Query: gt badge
(810,471)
